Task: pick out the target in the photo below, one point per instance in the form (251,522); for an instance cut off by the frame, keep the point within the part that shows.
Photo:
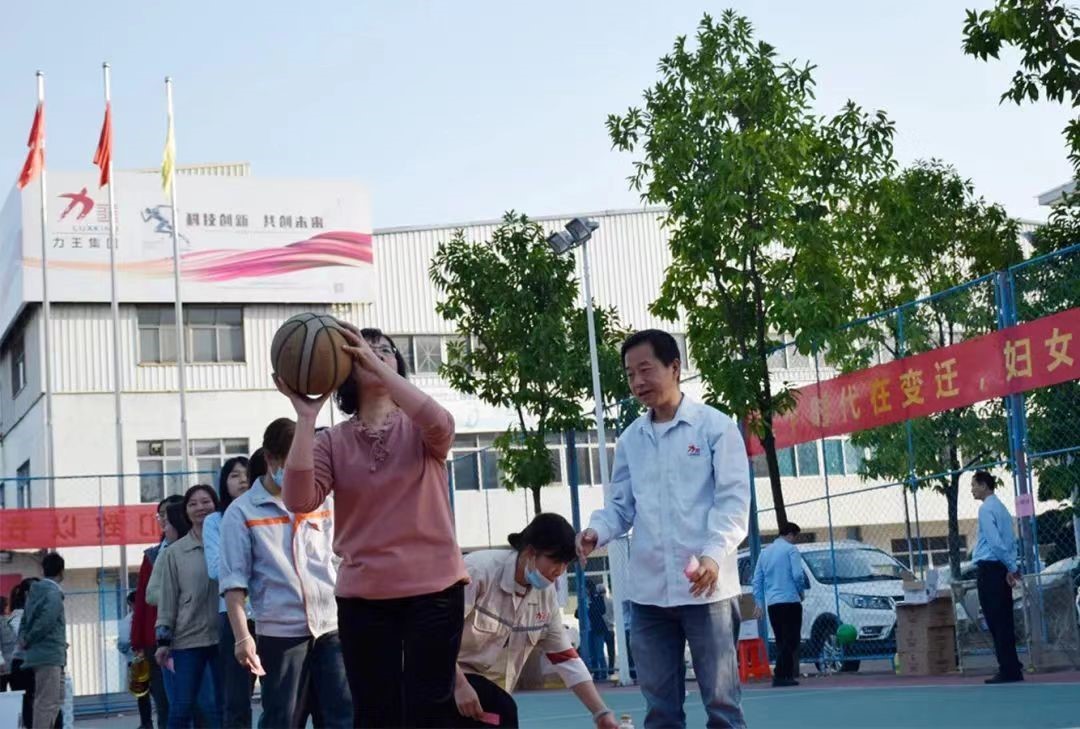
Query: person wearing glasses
(401,583)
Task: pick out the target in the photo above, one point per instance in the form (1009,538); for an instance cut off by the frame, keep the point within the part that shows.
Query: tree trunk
(536,500)
(769,442)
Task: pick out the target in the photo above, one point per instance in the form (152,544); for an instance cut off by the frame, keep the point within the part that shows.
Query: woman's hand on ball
(304,405)
(360,350)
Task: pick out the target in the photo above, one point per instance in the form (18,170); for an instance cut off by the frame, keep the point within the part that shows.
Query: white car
(865,581)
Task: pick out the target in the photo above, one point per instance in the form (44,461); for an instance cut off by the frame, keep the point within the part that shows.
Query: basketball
(306,354)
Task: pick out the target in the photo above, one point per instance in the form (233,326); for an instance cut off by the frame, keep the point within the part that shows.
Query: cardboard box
(936,613)
(914,664)
(932,641)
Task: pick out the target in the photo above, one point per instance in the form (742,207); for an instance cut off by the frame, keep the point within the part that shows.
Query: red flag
(35,159)
(103,155)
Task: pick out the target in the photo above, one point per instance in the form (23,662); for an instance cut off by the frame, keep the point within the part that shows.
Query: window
(778,359)
(453,343)
(853,457)
(684,353)
(429,355)
(475,462)
(24,498)
(465,463)
(786,457)
(934,551)
(423,354)
(760,466)
(17,353)
(213,334)
(161,465)
(834,457)
(807,456)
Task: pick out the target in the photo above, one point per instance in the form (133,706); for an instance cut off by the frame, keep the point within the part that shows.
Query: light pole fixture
(577,233)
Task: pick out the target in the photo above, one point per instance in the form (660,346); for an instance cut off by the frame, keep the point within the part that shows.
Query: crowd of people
(326,567)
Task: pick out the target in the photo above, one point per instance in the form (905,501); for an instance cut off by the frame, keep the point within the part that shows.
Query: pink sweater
(393,527)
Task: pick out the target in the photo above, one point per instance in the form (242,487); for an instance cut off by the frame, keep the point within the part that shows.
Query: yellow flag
(168,159)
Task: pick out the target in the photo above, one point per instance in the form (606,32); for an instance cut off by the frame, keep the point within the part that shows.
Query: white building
(229,323)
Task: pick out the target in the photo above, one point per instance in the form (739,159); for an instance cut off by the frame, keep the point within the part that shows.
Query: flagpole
(114,243)
(181,359)
(50,458)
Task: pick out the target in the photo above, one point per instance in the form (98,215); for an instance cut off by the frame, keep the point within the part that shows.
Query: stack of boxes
(926,637)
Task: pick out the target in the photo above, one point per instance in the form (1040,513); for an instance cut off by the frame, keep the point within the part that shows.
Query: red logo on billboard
(77,198)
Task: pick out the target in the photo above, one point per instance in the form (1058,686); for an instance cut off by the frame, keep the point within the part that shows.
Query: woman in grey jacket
(187,624)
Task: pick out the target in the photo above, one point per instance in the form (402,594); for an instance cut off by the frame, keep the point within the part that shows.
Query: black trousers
(786,621)
(157,693)
(995,597)
(22,679)
(237,682)
(401,656)
(493,700)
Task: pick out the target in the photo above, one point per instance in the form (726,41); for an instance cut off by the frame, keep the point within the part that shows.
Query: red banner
(1037,354)
(78,526)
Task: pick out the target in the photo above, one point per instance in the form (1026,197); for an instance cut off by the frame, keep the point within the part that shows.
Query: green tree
(1047,34)
(756,186)
(931,224)
(518,300)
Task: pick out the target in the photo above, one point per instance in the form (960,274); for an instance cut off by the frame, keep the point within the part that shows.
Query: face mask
(537,580)
(279,477)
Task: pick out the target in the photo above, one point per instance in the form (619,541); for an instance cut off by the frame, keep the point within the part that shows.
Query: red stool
(753,660)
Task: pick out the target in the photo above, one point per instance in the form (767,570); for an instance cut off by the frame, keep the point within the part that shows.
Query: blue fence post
(579,572)
(755,534)
(1016,422)
(901,351)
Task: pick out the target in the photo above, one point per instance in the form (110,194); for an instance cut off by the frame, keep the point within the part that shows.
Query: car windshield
(852,565)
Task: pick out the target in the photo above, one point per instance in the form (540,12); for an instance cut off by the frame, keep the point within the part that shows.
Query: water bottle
(626,722)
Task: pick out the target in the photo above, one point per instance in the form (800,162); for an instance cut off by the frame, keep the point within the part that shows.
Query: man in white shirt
(681,481)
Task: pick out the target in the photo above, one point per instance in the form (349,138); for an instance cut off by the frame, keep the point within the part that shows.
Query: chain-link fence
(876,491)
(876,502)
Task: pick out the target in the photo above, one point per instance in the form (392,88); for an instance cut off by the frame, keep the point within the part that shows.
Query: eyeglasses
(384,351)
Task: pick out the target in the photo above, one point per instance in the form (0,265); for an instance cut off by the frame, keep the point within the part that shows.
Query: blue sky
(457,111)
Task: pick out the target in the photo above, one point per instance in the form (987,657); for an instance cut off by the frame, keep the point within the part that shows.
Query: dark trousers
(158,694)
(493,700)
(22,679)
(786,621)
(995,597)
(236,683)
(146,712)
(304,677)
(401,656)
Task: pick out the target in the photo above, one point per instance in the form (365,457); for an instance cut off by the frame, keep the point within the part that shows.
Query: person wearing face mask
(187,625)
(284,562)
(511,610)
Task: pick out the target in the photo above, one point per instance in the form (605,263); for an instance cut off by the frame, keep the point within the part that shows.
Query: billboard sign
(241,239)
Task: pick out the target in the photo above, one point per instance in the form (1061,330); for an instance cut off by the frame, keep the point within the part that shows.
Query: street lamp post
(578,232)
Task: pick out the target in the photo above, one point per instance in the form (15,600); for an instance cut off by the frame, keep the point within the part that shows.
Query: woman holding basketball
(401,583)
